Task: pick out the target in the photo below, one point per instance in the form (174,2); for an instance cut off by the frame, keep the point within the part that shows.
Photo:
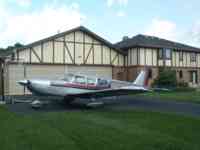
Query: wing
(110,92)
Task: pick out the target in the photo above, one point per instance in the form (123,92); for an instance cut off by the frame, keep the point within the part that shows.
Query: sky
(26,21)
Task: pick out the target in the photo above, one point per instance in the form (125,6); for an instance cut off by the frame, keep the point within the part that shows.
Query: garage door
(19,72)
(104,72)
(14,74)
(57,71)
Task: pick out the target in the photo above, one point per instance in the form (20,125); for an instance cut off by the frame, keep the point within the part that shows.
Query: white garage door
(104,72)
(19,72)
(57,71)
(14,74)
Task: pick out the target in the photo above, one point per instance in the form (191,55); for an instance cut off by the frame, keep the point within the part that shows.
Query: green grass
(180,96)
(98,130)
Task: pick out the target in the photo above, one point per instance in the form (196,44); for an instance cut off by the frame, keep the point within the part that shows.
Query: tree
(166,78)
(11,47)
(18,45)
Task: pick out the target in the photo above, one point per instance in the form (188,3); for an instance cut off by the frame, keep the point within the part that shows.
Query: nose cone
(23,82)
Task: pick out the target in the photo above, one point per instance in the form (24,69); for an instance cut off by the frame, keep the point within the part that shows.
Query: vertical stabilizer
(141,79)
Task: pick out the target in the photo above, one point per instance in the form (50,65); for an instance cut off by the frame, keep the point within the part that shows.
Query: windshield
(68,77)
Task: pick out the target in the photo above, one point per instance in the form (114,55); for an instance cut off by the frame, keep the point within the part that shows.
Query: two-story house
(149,52)
(80,50)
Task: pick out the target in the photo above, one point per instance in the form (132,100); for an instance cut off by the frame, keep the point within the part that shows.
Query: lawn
(98,130)
(180,96)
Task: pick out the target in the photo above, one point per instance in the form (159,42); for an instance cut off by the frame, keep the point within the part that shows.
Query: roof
(153,42)
(80,28)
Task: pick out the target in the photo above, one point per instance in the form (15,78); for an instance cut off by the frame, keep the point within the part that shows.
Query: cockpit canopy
(82,79)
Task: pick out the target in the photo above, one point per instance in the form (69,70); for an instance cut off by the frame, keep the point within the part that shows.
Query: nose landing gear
(36,104)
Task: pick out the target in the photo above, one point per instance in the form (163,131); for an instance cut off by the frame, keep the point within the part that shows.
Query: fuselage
(71,85)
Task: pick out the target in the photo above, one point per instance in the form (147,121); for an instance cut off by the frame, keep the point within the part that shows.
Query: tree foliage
(166,78)
(11,47)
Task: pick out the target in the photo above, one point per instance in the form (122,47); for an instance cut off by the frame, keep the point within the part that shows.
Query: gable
(74,47)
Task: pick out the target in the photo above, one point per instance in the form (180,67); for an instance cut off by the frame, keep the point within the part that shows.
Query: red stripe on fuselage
(81,86)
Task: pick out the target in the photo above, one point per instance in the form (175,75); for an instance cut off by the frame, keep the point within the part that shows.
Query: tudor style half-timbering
(77,46)
(78,50)
(81,51)
(148,52)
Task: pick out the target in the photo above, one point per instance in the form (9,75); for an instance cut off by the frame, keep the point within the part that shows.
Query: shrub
(166,78)
(183,84)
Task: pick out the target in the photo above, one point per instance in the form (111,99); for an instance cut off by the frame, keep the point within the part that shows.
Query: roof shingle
(153,42)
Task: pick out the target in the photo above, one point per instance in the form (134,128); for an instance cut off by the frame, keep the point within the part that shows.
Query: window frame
(193,57)
(165,53)
(162,54)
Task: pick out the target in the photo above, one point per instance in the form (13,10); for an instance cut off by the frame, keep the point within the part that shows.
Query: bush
(183,84)
(166,78)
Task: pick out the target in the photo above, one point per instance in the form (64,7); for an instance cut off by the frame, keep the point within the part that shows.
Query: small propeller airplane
(80,86)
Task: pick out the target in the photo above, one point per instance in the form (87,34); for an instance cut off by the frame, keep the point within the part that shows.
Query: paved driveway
(121,103)
(128,102)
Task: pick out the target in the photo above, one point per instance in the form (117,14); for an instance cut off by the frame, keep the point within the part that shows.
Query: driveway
(128,102)
(119,104)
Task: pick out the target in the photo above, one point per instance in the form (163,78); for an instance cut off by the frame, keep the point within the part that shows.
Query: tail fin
(141,79)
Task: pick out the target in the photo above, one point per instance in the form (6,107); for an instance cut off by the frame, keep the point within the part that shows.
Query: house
(152,53)
(80,50)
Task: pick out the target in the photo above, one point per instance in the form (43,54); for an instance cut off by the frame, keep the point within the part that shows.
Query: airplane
(74,86)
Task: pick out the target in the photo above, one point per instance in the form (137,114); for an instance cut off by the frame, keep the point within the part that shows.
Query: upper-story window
(181,56)
(165,53)
(160,54)
(193,57)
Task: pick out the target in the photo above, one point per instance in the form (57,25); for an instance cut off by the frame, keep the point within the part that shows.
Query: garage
(75,51)
(19,72)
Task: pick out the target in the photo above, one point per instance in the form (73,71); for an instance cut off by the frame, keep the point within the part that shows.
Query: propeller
(24,82)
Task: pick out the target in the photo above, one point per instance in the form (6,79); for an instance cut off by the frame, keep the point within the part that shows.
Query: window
(79,79)
(68,78)
(164,53)
(180,74)
(180,56)
(160,54)
(91,81)
(192,57)
(102,82)
(167,53)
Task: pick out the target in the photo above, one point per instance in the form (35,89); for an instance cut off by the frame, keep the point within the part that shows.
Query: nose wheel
(36,104)
(39,102)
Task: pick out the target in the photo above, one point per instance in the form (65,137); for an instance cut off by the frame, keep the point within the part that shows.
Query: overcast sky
(25,21)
